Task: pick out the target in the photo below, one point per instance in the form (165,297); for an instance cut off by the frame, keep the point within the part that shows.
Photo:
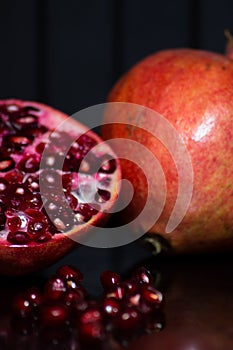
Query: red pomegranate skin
(193,90)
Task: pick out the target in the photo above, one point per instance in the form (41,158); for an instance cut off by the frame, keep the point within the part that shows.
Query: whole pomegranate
(57,180)
(193,90)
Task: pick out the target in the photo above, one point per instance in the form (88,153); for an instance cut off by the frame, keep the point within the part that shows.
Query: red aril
(36,228)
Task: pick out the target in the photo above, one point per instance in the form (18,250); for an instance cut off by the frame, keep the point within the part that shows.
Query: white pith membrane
(29,215)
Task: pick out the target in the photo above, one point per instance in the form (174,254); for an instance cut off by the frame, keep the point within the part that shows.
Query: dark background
(69,53)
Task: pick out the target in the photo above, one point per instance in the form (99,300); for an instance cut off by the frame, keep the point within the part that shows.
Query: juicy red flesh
(92,322)
(48,184)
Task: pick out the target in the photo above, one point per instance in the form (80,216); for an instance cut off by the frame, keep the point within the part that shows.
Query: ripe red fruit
(192,89)
(35,164)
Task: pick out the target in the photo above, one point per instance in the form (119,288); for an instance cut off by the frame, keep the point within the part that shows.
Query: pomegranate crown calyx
(229,44)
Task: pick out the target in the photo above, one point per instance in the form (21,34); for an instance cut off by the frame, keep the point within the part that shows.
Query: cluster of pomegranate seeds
(126,309)
(29,215)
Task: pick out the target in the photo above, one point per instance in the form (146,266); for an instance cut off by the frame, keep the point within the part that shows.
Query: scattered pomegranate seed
(152,295)
(54,315)
(69,272)
(109,279)
(34,296)
(142,275)
(128,319)
(6,164)
(22,306)
(111,307)
(55,288)
(90,315)
(91,333)
(71,298)
(126,309)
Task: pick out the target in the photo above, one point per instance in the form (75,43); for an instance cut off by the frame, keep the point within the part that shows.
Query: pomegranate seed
(16,143)
(55,288)
(68,272)
(108,167)
(73,298)
(152,296)
(109,279)
(36,229)
(102,195)
(18,238)
(54,315)
(85,143)
(80,307)
(134,299)
(90,315)
(6,164)
(128,319)
(32,183)
(91,333)
(35,202)
(21,140)
(68,182)
(86,211)
(131,287)
(37,131)
(111,307)
(50,178)
(117,292)
(14,177)
(14,222)
(30,164)
(11,108)
(75,286)
(22,306)
(40,147)
(3,186)
(18,196)
(72,201)
(35,215)
(142,275)
(34,296)
(25,121)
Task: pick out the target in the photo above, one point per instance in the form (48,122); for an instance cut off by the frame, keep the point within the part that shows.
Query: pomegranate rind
(192,89)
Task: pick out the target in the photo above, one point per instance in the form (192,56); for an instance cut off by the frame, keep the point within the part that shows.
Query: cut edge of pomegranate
(16,259)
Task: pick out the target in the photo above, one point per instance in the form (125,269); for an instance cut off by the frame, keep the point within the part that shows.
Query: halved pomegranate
(42,173)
